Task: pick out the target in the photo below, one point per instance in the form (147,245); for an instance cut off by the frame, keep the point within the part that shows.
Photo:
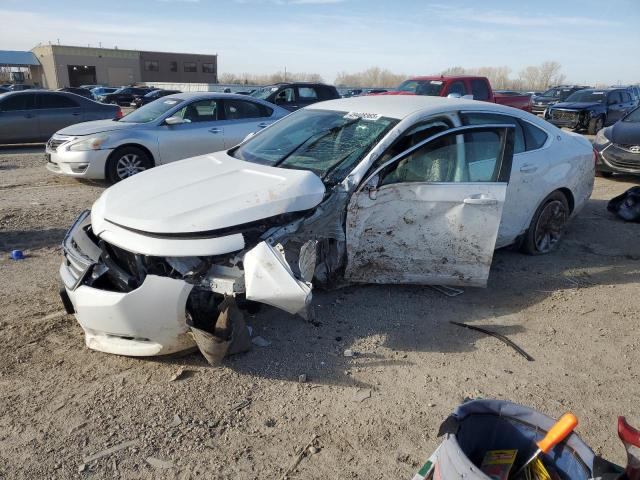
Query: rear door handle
(263,125)
(480,200)
(215,130)
(528,168)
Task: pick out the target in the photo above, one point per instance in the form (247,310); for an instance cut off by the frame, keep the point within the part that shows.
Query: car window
(18,102)
(464,157)
(151,111)
(326,93)
(307,93)
(614,97)
(479,118)
(285,95)
(626,97)
(430,88)
(238,109)
(200,111)
(535,137)
(413,136)
(49,100)
(458,88)
(479,89)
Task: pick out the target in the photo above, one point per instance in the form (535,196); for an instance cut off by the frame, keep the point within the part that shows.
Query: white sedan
(375,189)
(172,128)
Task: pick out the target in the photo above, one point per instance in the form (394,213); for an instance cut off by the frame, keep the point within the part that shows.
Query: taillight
(119,114)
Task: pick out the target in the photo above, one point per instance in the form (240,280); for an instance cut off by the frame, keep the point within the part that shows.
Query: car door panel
(18,119)
(201,133)
(427,232)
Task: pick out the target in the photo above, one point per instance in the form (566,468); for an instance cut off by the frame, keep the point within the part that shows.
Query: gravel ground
(373,416)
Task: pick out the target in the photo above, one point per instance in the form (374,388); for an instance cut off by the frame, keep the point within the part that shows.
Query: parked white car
(169,129)
(374,189)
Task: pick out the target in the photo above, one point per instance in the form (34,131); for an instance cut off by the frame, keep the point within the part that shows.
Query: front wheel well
(135,145)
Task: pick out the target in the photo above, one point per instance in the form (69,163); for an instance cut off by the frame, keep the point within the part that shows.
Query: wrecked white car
(374,189)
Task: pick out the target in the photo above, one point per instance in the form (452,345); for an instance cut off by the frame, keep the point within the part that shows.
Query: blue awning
(14,58)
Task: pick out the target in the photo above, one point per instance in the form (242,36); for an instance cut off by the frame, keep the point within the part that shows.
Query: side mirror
(174,121)
(372,186)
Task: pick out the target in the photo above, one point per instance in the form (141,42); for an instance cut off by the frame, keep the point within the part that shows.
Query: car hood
(624,133)
(577,105)
(206,193)
(96,126)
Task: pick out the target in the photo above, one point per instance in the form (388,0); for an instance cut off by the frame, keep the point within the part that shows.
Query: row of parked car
(181,125)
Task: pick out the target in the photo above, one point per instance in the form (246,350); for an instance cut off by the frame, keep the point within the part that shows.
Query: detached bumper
(90,164)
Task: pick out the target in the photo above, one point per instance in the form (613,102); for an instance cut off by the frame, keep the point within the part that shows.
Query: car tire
(595,125)
(547,224)
(604,174)
(126,162)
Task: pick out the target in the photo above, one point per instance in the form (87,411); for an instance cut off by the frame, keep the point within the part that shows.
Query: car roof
(401,106)
(445,77)
(204,95)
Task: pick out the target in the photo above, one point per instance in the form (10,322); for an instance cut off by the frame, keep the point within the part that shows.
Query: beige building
(70,66)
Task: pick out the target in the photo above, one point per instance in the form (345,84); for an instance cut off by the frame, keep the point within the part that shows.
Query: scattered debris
(579,282)
(157,463)
(82,467)
(270,422)
(178,375)
(348,353)
(77,427)
(304,452)
(302,378)
(241,405)
(227,335)
(176,421)
(260,342)
(499,336)
(627,205)
(446,290)
(588,311)
(110,450)
(313,450)
(362,394)
(17,255)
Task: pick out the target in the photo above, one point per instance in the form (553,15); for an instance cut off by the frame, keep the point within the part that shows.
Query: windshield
(634,116)
(431,88)
(151,111)
(590,96)
(327,143)
(263,92)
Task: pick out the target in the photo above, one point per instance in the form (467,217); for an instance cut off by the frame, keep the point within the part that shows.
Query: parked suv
(295,95)
(591,109)
(539,103)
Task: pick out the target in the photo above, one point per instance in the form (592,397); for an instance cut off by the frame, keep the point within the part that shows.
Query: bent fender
(269,279)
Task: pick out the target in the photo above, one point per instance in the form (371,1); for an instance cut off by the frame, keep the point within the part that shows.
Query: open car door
(430,215)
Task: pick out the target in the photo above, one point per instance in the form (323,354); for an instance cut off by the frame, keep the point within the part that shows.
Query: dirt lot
(375,414)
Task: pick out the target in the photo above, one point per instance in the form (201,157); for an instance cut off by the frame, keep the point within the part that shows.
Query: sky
(594,41)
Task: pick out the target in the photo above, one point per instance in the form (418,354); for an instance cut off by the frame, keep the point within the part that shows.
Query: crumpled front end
(141,304)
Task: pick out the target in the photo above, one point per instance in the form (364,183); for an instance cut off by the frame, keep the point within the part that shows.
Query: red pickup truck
(459,86)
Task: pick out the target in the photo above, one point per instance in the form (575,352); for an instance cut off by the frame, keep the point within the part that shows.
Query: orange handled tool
(560,430)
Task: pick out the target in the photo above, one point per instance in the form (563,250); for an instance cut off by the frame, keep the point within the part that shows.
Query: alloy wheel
(549,226)
(129,165)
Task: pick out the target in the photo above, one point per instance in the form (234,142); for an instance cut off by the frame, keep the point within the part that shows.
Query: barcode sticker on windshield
(363,115)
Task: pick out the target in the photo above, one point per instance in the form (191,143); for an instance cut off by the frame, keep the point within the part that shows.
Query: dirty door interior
(430,215)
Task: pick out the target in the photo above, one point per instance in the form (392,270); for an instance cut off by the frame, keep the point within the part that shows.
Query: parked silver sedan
(168,129)
(35,115)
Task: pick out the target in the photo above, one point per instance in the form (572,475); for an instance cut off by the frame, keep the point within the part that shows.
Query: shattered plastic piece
(302,378)
(17,255)
(176,421)
(362,394)
(178,375)
(159,464)
(260,342)
(109,451)
(348,353)
(241,405)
